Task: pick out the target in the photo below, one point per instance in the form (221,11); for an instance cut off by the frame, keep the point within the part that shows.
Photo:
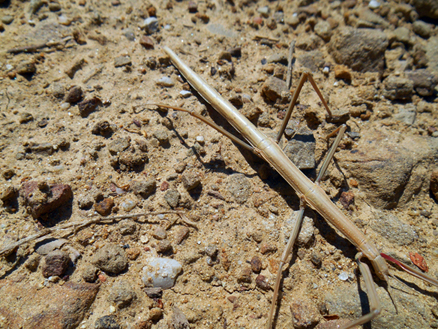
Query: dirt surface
(77,140)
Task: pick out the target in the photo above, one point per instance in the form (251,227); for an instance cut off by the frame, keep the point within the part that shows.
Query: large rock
(63,307)
(362,50)
(428,8)
(390,169)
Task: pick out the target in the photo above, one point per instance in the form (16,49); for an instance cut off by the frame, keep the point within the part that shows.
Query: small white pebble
(185,93)
(435,134)
(112,309)
(374,4)
(199,242)
(160,216)
(343,276)
(200,139)
(336,84)
(65,106)
(144,239)
(326,69)
(165,82)
(9,67)
(64,20)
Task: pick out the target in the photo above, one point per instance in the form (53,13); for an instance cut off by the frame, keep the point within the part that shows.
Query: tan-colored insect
(310,193)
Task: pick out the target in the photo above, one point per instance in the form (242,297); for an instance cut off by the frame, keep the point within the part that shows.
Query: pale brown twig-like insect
(310,193)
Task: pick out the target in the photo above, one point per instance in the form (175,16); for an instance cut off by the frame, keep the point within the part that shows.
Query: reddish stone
(147,42)
(42,199)
(104,207)
(56,263)
(24,306)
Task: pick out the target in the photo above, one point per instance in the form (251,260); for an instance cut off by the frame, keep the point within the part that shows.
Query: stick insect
(310,193)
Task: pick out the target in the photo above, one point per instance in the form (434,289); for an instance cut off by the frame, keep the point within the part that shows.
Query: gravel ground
(83,153)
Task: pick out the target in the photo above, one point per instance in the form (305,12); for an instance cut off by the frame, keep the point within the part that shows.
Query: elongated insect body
(273,154)
(309,192)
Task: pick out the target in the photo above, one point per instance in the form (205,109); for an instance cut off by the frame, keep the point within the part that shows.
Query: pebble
(272,88)
(267,248)
(161,272)
(129,34)
(41,198)
(374,4)
(56,263)
(256,264)
(424,82)
(181,234)
(54,6)
(164,247)
(105,206)
(106,322)
(150,25)
(343,276)
(362,50)
(301,149)
(165,82)
(162,136)
(397,88)
(185,93)
(34,5)
(76,66)
(160,233)
(240,187)
(190,180)
(7,19)
(172,197)
(121,294)
(342,72)
(110,258)
(277,58)
(85,201)
(45,248)
(25,118)
(74,95)
(122,61)
(193,7)
(264,11)
(406,114)
(64,20)
(423,29)
(262,282)
(102,128)
(26,68)
(89,273)
(324,30)
(127,227)
(119,145)
(244,274)
(89,105)
(305,314)
(144,188)
(128,205)
(306,231)
(32,262)
(147,42)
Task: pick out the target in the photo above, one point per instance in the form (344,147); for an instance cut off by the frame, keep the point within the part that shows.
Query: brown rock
(244,274)
(191,180)
(347,199)
(265,248)
(104,207)
(147,42)
(56,263)
(434,183)
(305,313)
(256,264)
(24,306)
(262,282)
(164,246)
(110,258)
(42,199)
(273,87)
(89,105)
(182,233)
(342,72)
(74,95)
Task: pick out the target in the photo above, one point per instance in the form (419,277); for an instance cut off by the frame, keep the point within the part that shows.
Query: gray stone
(7,19)
(312,60)
(172,197)
(110,258)
(306,231)
(397,88)
(165,82)
(423,29)
(161,272)
(240,187)
(144,188)
(424,81)
(391,228)
(277,58)
(121,294)
(402,34)
(406,114)
(118,145)
(162,136)
(362,50)
(301,150)
(150,25)
(107,322)
(323,29)
(89,273)
(190,180)
(122,61)
(127,227)
(160,233)
(56,263)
